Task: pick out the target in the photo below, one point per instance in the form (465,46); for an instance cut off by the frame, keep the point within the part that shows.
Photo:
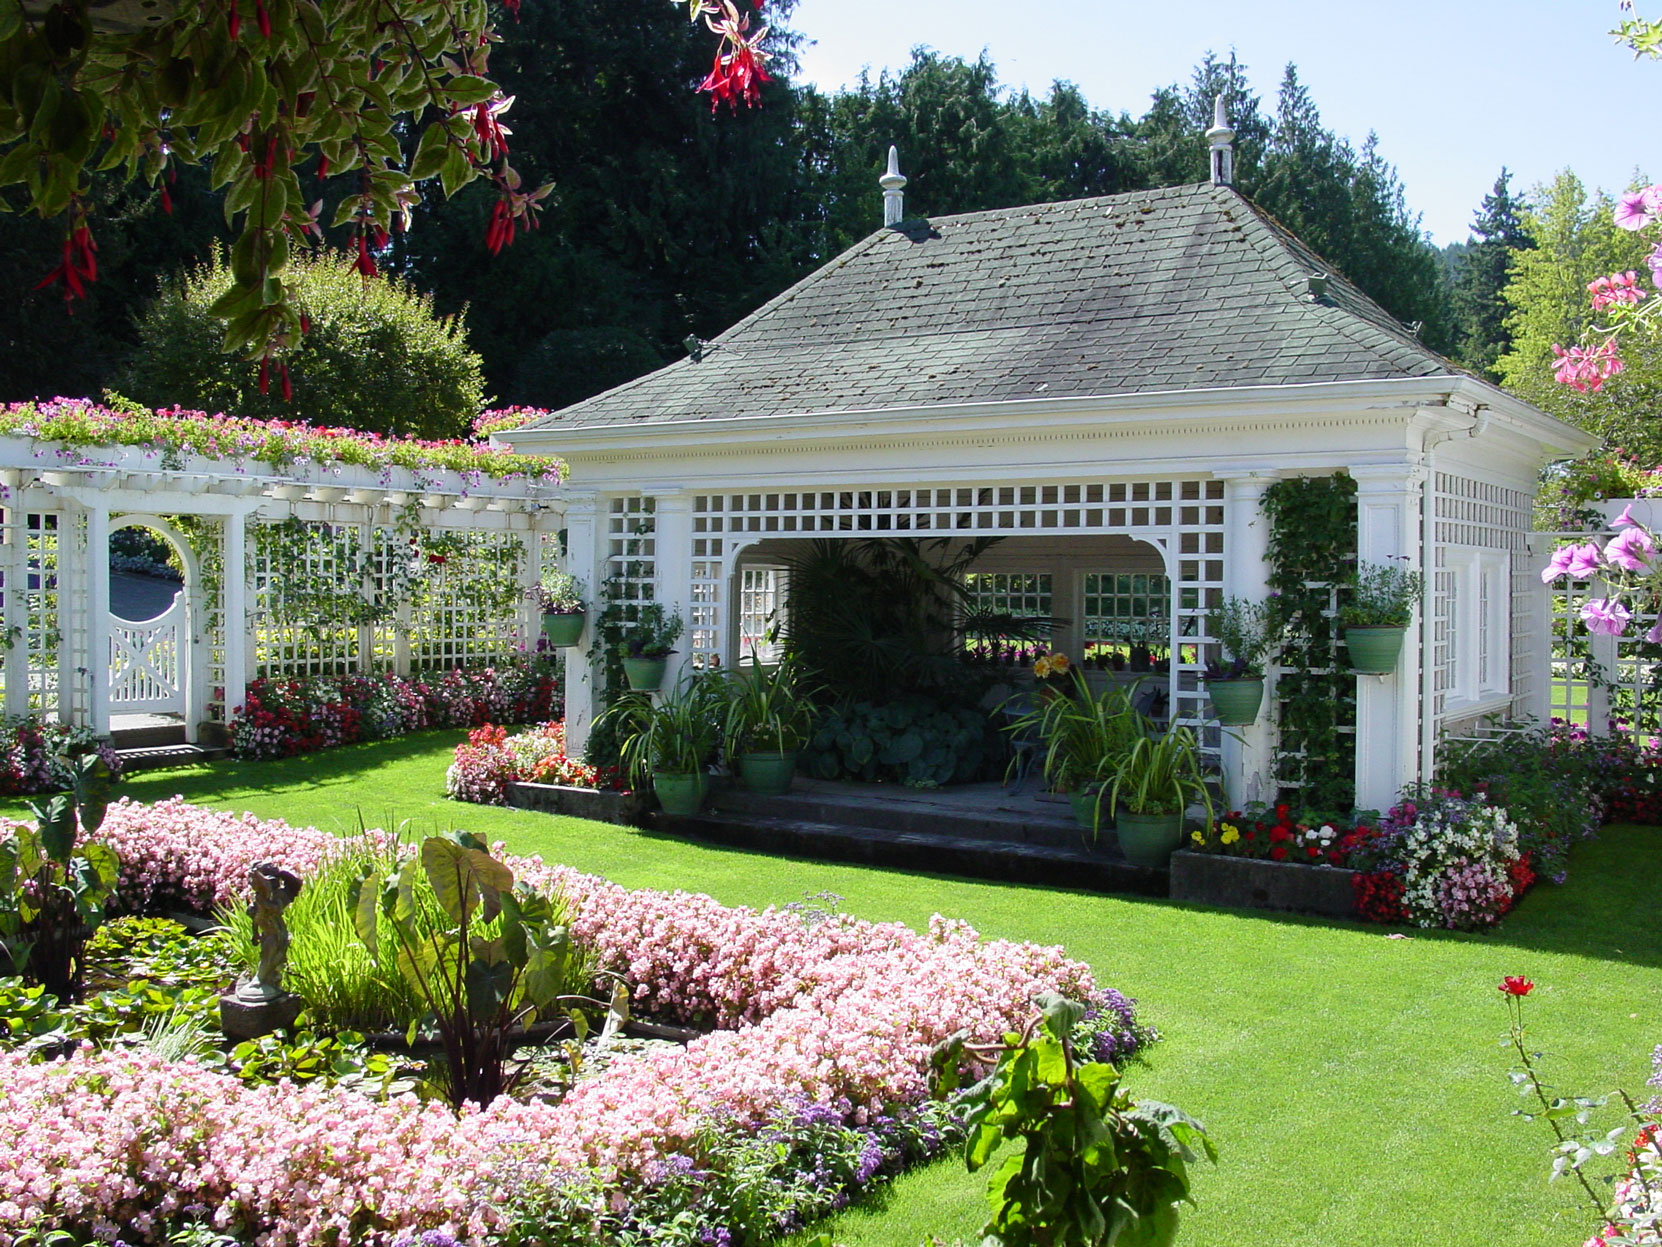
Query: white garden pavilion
(1111,385)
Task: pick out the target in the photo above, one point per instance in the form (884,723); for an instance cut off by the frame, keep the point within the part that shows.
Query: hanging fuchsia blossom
(737,73)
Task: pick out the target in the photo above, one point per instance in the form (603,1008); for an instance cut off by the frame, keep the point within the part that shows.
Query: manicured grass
(1354,1082)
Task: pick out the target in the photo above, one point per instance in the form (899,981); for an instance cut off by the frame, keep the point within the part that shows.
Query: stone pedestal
(242,1018)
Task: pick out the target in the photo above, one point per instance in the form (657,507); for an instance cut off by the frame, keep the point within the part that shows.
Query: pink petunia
(1585,561)
(1636,209)
(1632,549)
(1605,616)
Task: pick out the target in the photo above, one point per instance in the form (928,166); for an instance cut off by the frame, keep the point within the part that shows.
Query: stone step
(935,852)
(1025,822)
(157,757)
(153,736)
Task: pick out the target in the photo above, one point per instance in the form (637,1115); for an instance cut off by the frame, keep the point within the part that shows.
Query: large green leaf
(57,827)
(363,897)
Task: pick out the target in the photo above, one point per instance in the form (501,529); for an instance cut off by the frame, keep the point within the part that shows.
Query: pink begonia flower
(1605,616)
(1637,209)
(1631,549)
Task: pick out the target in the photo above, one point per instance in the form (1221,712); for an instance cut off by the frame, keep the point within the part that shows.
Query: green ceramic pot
(1149,839)
(1374,651)
(768,773)
(562,631)
(679,793)
(645,675)
(1236,701)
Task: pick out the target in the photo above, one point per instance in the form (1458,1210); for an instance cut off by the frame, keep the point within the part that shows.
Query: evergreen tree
(1576,240)
(1479,310)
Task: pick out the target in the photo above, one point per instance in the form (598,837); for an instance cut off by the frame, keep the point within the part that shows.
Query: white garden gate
(147,671)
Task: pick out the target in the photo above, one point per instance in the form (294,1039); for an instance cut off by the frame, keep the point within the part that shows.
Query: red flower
(1279,852)
(1278,834)
(1514,985)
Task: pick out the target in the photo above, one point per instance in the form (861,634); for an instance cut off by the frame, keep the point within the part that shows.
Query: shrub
(915,741)
(377,358)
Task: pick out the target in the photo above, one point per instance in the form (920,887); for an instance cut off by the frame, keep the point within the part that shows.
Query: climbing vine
(1312,553)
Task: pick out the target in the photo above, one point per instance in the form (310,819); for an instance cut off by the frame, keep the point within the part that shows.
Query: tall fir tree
(1498,235)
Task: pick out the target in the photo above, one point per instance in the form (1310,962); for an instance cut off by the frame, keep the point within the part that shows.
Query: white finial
(1220,138)
(893,183)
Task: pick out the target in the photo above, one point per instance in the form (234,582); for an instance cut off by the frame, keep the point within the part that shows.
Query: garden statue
(274,890)
(260,1005)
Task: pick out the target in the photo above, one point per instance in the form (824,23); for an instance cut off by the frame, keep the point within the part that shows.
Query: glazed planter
(1149,839)
(1374,651)
(679,793)
(1236,702)
(645,675)
(564,630)
(1091,810)
(767,773)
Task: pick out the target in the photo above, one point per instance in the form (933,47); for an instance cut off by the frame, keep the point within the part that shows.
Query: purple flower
(1585,561)
(1636,209)
(1631,549)
(1605,616)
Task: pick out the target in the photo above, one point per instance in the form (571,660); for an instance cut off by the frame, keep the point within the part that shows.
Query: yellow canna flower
(1042,669)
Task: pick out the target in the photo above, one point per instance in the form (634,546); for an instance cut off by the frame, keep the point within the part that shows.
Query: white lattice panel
(458,616)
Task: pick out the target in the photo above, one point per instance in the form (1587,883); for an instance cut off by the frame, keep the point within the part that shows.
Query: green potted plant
(1152,786)
(1083,737)
(1376,617)
(770,718)
(647,646)
(560,599)
(1245,631)
(667,743)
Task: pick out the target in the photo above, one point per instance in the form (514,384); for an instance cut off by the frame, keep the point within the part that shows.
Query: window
(1478,614)
(761,611)
(1114,599)
(1023,595)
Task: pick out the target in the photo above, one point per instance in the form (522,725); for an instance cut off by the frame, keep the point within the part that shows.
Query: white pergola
(68,658)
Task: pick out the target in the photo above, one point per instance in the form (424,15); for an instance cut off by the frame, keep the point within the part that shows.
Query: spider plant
(676,735)
(1161,775)
(1083,736)
(768,711)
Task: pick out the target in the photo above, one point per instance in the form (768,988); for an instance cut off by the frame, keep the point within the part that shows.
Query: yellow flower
(1042,669)
(1198,837)
(1231,833)
(1058,664)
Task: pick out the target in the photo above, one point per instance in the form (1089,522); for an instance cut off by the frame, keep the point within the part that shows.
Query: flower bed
(280,718)
(490,760)
(827,1029)
(33,755)
(277,443)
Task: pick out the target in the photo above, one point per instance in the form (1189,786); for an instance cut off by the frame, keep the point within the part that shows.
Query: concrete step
(151,736)
(1020,820)
(158,757)
(934,852)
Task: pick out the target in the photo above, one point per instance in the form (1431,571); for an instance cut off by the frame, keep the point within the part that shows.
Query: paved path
(137,598)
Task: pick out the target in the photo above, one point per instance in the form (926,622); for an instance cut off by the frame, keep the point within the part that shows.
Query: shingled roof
(1188,287)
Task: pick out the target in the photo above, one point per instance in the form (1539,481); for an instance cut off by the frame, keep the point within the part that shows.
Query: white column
(98,619)
(1387,707)
(235,600)
(14,556)
(585,559)
(672,530)
(1248,752)
(70,570)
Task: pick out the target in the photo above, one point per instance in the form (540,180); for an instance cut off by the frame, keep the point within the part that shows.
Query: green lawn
(1353,1082)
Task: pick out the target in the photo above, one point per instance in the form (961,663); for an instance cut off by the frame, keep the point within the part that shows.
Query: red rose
(1515,985)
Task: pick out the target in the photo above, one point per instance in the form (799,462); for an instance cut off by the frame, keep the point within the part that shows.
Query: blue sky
(1455,89)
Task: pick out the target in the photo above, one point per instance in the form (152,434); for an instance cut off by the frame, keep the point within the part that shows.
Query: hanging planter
(646,675)
(1236,702)
(1374,651)
(564,629)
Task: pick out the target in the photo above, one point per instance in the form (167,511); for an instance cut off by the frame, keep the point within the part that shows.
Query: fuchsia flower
(1605,616)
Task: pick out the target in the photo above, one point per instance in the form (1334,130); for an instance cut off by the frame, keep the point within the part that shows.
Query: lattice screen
(1478,515)
(457,615)
(288,637)
(29,595)
(1182,516)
